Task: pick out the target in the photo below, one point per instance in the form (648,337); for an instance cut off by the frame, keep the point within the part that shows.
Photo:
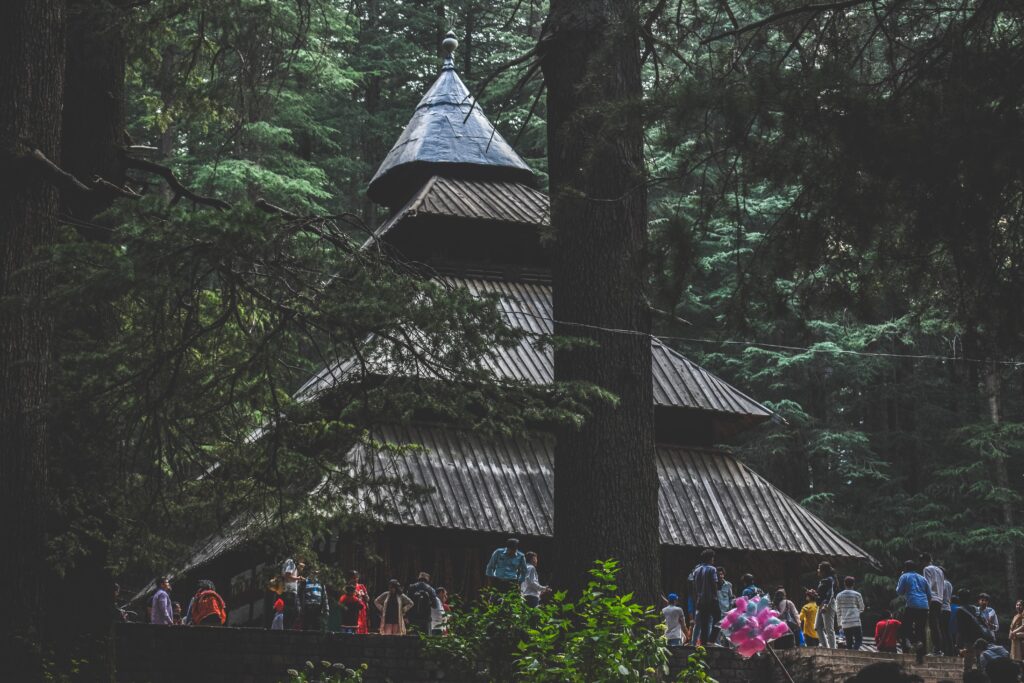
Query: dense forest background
(836,195)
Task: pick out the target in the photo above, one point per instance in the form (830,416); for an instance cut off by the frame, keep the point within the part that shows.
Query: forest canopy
(835,201)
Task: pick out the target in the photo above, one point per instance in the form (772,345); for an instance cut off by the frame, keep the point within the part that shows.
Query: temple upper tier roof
(450,136)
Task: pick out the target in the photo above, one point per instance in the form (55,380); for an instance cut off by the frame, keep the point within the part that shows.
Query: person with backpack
(207,607)
(969,624)
(887,632)
(825,620)
(353,610)
(424,601)
(314,604)
(393,605)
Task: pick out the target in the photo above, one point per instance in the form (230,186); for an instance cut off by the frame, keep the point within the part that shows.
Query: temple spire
(448,136)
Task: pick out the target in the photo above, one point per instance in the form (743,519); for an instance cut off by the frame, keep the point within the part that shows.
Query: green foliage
(604,635)
(327,672)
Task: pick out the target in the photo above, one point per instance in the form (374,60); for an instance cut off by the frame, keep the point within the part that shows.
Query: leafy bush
(604,636)
(327,672)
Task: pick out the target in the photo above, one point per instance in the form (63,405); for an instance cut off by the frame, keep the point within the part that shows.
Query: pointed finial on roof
(448,45)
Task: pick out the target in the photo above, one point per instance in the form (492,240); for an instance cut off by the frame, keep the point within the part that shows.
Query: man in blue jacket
(914,588)
(507,567)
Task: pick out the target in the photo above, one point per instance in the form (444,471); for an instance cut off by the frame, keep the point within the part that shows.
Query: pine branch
(783,15)
(180,191)
(68,181)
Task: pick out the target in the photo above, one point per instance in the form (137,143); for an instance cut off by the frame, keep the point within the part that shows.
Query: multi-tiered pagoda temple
(465,204)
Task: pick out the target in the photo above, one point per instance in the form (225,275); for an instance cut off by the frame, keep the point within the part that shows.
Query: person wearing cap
(987,653)
(507,567)
(674,618)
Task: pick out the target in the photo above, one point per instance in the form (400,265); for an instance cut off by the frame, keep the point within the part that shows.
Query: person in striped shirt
(849,605)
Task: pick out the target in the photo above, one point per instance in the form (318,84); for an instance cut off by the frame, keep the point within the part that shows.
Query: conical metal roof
(450,136)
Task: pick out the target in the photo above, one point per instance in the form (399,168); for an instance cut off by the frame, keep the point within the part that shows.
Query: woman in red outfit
(363,595)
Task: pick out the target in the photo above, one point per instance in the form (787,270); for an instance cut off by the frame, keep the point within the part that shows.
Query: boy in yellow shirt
(808,614)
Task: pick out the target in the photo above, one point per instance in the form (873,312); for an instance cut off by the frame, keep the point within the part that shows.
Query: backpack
(422,603)
(313,594)
(205,605)
(981,629)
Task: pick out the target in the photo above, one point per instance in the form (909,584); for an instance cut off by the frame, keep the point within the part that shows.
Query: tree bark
(993,390)
(32,34)
(606,484)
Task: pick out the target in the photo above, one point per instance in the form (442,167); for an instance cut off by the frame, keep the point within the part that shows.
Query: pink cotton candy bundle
(752,624)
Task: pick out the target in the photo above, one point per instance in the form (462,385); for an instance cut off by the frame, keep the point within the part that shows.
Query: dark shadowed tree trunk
(994,394)
(31,80)
(606,487)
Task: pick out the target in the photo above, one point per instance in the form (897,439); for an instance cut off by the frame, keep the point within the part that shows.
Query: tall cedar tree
(31,78)
(605,473)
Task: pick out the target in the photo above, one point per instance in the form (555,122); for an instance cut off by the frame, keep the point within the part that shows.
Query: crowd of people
(954,624)
(930,613)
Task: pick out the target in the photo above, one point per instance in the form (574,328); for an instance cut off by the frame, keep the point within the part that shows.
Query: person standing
(825,621)
(887,632)
(507,567)
(207,607)
(363,595)
(393,605)
(353,610)
(531,587)
(936,579)
(291,576)
(849,605)
(439,615)
(277,623)
(788,613)
(314,604)
(725,598)
(987,613)
(160,609)
(947,617)
(674,617)
(808,617)
(705,592)
(914,588)
(1017,632)
(424,601)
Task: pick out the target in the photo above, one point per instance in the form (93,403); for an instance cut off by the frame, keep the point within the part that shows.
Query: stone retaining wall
(197,654)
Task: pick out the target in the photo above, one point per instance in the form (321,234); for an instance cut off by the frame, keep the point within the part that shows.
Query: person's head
(424,577)
(884,672)
(849,581)
(825,569)
(779,596)
(926,559)
(984,599)
(442,593)
(512,545)
(747,580)
(204,585)
(721,573)
(909,566)
(531,558)
(163,583)
(300,565)
(177,609)
(352,575)
(964,597)
(673,598)
(394,586)
(1019,607)
(980,645)
(885,615)
(811,595)
(349,589)
(707,556)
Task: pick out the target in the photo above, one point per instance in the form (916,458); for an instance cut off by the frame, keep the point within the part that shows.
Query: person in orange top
(207,607)
(363,595)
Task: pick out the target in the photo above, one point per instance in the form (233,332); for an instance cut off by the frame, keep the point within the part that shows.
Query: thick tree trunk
(31,80)
(993,390)
(606,485)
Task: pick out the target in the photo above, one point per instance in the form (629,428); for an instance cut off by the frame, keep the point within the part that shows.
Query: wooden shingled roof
(678,382)
(503,484)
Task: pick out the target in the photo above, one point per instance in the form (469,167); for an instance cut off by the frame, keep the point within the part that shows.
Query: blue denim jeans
(706,618)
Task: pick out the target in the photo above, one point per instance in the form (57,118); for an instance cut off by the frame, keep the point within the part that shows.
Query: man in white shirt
(674,617)
(531,587)
(849,605)
(947,615)
(936,579)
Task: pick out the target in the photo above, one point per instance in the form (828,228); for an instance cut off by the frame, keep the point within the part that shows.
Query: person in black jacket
(825,623)
(424,599)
